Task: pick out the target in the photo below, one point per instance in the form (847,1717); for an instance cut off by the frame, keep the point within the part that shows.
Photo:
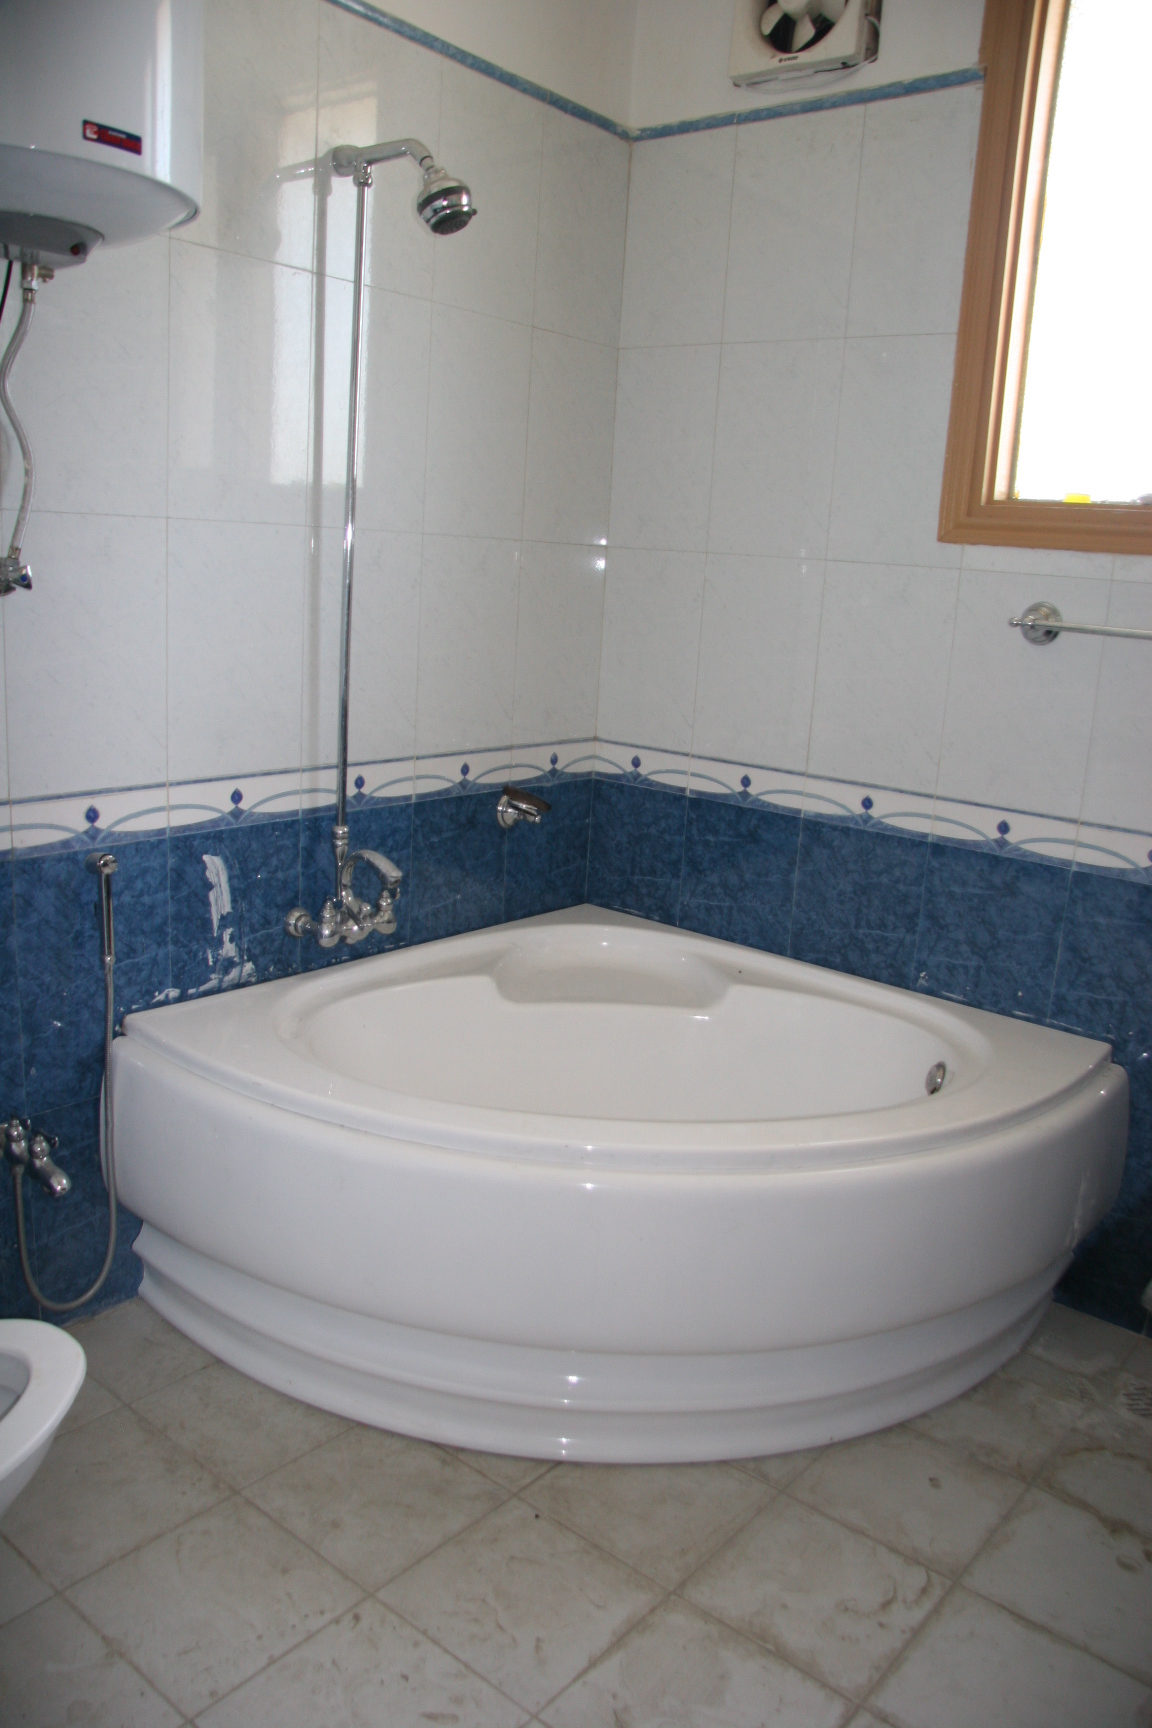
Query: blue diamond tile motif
(91,815)
(635,761)
(1002,829)
(553,758)
(359,782)
(745,781)
(237,796)
(866,804)
(464,770)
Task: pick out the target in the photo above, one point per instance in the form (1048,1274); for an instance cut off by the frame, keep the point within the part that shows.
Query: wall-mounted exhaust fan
(796,38)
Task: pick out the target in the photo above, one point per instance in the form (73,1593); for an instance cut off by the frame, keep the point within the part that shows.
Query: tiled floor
(197,1548)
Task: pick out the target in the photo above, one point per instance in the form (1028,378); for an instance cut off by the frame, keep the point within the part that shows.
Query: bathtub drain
(934,1078)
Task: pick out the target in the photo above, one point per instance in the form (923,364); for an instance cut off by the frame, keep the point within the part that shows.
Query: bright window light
(1085,426)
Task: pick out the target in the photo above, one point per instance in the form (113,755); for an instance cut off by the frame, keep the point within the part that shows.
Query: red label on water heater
(94,133)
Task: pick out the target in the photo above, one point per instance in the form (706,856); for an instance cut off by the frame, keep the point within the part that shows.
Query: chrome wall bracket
(518,805)
(1041,623)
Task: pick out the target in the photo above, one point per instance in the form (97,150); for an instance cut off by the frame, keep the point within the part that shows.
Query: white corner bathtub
(589,1187)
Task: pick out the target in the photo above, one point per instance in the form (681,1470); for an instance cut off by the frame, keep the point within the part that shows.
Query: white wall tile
(568,484)
(775,439)
(558,635)
(91,385)
(1118,785)
(477,425)
(492,137)
(4,814)
(385,639)
(1041,562)
(674,266)
(259,117)
(793,215)
(467,667)
(373,86)
(894,405)
(758,648)
(882,674)
(85,656)
(235,640)
(239,387)
(912,216)
(1019,717)
(665,417)
(395,363)
(652,607)
(1133,569)
(583,215)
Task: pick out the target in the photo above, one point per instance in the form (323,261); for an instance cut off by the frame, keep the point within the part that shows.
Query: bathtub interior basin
(41,1370)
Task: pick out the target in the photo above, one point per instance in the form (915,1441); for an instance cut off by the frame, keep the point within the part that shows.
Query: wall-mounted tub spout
(518,805)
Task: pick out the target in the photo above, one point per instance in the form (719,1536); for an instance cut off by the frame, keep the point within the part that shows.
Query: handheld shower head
(444,202)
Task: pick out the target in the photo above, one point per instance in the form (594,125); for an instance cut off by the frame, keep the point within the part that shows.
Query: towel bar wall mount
(1041,623)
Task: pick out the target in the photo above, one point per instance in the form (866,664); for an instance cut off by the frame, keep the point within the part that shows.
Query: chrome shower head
(444,202)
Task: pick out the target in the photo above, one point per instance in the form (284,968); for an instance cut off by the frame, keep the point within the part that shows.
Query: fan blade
(803,32)
(832,10)
(771,17)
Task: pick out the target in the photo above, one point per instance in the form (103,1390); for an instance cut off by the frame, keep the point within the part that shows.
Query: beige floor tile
(366,1670)
(1063,1567)
(522,1600)
(102,1490)
(206,1606)
(373,1503)
(20,1587)
(1005,1422)
(1139,1364)
(55,1670)
(92,1400)
(238,1428)
(661,1519)
(1060,1383)
(1106,1466)
(837,1604)
(511,1473)
(132,1351)
(913,1493)
(1080,1343)
(974,1663)
(679,1668)
(1131,1401)
(781,1468)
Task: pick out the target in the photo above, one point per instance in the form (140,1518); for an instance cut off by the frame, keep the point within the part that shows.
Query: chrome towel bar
(1041,623)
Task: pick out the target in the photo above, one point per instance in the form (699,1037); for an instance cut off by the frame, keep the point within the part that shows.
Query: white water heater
(101,123)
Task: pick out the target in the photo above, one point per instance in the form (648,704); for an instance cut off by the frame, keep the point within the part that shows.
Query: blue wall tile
(457,864)
(636,848)
(739,874)
(12,1102)
(990,929)
(858,894)
(546,863)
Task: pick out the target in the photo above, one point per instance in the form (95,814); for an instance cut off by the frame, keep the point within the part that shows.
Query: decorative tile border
(86,820)
(776,788)
(641,765)
(671,129)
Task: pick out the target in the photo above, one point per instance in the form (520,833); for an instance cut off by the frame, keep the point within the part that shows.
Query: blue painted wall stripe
(674,128)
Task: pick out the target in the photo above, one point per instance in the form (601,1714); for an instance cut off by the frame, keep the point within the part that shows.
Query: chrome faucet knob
(43,1170)
(16,1142)
(519,805)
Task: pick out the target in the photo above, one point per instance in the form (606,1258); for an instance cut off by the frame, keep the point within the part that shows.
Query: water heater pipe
(14,573)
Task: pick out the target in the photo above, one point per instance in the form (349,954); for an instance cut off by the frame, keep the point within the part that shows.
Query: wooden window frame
(1019,50)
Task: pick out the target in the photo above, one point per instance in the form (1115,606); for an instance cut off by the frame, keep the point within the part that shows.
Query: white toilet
(41,1370)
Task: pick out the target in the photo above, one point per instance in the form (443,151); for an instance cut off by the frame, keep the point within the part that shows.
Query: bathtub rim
(1024,1070)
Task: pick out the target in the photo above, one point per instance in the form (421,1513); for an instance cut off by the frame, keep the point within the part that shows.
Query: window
(1050,439)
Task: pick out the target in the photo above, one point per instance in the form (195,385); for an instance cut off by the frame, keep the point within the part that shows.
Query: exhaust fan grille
(774,39)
